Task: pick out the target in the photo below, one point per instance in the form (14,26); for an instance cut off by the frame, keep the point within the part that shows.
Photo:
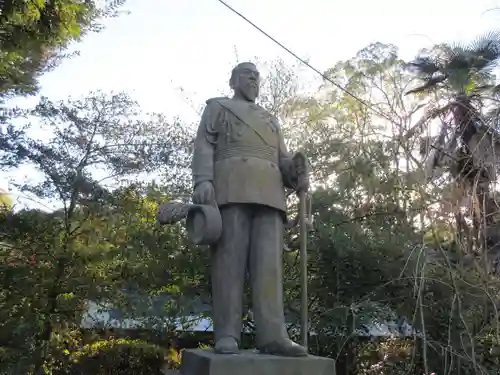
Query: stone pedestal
(206,362)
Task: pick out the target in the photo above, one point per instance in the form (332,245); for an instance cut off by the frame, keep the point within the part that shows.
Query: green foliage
(463,77)
(34,34)
(383,248)
(55,261)
(370,260)
(463,68)
(6,202)
(174,359)
(116,356)
(389,356)
(439,235)
(11,360)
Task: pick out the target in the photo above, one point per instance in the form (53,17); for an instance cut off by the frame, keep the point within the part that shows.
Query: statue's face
(247,82)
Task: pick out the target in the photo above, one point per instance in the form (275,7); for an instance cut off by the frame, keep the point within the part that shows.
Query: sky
(162,45)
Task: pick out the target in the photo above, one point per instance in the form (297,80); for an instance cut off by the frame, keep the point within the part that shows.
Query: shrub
(117,357)
(10,361)
(174,359)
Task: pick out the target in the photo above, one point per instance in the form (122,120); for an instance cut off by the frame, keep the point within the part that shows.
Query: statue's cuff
(197,182)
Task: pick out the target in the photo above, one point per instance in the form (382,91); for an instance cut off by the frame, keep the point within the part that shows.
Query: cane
(303,228)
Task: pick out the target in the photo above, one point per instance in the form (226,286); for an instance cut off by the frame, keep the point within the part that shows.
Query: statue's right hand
(204,193)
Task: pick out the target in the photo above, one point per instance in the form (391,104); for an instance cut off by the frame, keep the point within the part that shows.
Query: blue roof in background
(149,313)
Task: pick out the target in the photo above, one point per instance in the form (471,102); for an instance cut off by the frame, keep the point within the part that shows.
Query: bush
(10,361)
(174,359)
(117,357)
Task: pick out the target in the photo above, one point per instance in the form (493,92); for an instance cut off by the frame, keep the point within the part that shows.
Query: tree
(382,248)
(462,75)
(368,259)
(364,208)
(33,38)
(6,202)
(95,140)
(377,188)
(34,35)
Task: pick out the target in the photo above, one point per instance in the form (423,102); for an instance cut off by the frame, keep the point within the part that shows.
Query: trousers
(252,239)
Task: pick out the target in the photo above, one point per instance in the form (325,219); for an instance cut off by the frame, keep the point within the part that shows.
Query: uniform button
(244,159)
(239,133)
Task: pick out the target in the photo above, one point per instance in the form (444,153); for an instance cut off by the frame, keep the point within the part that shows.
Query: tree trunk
(465,117)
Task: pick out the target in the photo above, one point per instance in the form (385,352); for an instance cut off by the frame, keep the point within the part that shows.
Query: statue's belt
(259,151)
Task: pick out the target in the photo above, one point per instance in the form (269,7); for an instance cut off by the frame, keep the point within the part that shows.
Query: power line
(368,105)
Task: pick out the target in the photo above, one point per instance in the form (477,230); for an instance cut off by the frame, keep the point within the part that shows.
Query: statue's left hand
(204,193)
(302,170)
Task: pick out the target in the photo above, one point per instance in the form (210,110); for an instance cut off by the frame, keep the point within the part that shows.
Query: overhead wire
(343,89)
(326,78)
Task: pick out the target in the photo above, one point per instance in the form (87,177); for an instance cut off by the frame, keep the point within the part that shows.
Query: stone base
(206,362)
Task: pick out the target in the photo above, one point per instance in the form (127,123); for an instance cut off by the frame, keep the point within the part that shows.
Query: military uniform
(240,149)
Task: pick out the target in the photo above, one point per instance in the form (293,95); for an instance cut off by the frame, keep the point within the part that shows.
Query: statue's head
(245,81)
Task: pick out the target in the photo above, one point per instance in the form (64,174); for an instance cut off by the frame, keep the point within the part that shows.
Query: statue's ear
(233,81)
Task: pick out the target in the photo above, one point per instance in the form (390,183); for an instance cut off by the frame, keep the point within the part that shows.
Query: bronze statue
(241,165)
(240,170)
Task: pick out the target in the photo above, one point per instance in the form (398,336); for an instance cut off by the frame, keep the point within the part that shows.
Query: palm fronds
(465,68)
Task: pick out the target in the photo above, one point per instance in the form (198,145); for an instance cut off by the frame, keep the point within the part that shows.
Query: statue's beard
(250,92)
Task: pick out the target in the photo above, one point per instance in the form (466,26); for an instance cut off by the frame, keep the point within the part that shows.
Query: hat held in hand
(203,222)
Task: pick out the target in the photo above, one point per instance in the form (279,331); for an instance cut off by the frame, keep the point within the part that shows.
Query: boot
(226,345)
(284,347)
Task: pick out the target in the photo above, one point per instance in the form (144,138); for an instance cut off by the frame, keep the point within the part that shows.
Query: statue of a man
(241,165)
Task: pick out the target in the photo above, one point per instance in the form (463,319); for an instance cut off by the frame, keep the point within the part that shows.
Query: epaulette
(217,98)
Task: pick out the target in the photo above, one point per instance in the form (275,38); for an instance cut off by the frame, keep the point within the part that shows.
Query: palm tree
(463,76)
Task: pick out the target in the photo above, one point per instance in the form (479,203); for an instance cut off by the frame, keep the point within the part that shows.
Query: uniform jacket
(239,148)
